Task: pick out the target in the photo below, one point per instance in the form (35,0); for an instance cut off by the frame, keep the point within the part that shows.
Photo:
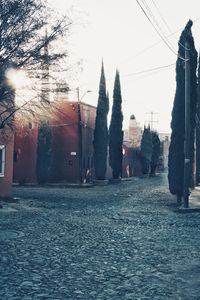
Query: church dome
(132,117)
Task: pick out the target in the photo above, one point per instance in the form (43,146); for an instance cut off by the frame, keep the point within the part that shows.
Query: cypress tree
(115,131)
(155,152)
(101,130)
(146,150)
(43,152)
(176,149)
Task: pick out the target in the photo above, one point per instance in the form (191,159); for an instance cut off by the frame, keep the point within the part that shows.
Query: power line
(161,16)
(149,70)
(152,16)
(163,38)
(157,43)
(164,21)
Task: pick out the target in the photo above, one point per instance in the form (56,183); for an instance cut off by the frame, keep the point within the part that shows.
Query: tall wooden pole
(80,146)
(187,161)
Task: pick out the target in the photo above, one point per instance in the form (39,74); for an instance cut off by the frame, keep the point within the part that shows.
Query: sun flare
(17,78)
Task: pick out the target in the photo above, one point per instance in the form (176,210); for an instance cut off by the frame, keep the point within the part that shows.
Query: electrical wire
(164,21)
(149,74)
(161,16)
(155,44)
(153,17)
(160,35)
(149,70)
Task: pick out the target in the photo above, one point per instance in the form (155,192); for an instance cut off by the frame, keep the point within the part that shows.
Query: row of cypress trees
(176,150)
(112,137)
(150,151)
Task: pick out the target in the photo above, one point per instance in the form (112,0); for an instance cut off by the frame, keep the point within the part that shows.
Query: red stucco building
(6,166)
(72,125)
(71,159)
(72,142)
(25,152)
(6,158)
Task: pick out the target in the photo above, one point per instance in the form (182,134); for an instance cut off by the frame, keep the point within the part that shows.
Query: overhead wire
(158,32)
(153,17)
(165,22)
(155,44)
(161,16)
(149,70)
(143,76)
(160,68)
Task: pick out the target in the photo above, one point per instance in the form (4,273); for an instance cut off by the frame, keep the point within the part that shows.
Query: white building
(133,134)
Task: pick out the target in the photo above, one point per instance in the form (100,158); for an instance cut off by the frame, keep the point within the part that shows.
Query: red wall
(65,164)
(131,165)
(6,180)
(25,154)
(88,115)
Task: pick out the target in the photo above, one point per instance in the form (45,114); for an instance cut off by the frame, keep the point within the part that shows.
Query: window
(2,160)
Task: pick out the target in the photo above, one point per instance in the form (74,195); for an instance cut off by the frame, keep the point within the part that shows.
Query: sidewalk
(194,202)
(194,199)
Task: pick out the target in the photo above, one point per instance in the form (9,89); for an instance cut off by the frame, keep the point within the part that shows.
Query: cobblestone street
(122,241)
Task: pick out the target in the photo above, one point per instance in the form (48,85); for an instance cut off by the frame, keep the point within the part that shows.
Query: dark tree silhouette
(176,149)
(101,130)
(115,131)
(155,152)
(146,150)
(43,152)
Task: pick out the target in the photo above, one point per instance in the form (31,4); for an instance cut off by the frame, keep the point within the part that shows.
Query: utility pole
(80,146)
(151,119)
(80,133)
(187,161)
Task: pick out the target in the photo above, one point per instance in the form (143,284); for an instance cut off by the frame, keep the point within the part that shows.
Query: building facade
(25,152)
(6,162)
(164,149)
(72,142)
(71,159)
(133,134)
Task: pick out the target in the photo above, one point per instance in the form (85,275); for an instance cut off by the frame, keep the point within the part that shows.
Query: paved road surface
(120,241)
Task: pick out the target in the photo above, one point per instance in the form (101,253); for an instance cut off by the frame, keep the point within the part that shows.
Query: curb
(55,185)
(184,210)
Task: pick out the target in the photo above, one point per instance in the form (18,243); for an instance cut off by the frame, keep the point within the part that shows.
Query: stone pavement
(118,242)
(194,199)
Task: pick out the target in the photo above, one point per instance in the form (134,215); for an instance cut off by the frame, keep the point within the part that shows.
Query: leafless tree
(22,39)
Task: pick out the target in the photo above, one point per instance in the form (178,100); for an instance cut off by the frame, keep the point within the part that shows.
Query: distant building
(131,165)
(132,139)
(163,136)
(165,143)
(134,133)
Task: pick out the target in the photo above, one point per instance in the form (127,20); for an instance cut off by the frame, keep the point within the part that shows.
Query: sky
(119,33)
